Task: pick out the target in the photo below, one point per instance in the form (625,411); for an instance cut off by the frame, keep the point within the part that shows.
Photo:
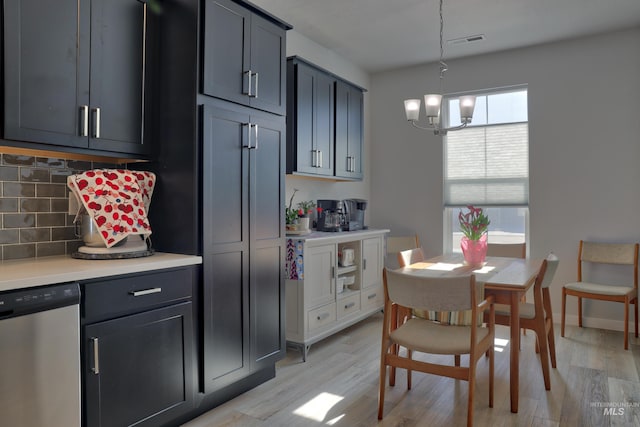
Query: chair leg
(472,386)
(580,312)
(636,313)
(564,307)
(383,375)
(492,357)
(409,371)
(541,335)
(626,323)
(552,343)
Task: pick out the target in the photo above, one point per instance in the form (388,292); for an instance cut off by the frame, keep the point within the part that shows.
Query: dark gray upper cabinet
(349,125)
(243,57)
(324,123)
(310,120)
(74,73)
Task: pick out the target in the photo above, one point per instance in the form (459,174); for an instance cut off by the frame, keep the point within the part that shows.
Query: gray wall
(584,121)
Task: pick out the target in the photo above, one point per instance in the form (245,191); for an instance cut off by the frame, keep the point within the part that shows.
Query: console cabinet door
(372,262)
(349,116)
(319,275)
(139,368)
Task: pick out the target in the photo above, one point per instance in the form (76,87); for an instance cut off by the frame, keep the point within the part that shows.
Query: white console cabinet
(322,295)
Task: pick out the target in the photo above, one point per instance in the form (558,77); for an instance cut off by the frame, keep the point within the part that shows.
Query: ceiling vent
(468,39)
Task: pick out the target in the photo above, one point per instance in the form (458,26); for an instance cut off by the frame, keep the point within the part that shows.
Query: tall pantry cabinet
(220,192)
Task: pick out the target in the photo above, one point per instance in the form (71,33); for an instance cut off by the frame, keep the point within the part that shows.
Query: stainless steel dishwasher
(40,356)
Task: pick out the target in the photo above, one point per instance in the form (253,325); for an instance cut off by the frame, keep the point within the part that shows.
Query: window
(487,165)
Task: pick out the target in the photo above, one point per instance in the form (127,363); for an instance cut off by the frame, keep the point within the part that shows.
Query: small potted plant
(305,210)
(474,225)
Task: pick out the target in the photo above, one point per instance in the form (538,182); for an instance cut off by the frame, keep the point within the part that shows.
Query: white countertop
(30,272)
(337,237)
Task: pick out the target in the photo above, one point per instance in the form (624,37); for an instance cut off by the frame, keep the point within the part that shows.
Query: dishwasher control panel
(25,301)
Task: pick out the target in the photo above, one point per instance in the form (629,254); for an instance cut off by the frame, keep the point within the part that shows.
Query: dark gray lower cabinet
(138,367)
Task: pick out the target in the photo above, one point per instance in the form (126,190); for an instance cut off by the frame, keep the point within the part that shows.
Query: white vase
(303,223)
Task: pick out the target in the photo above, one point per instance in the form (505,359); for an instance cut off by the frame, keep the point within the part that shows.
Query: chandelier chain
(443,65)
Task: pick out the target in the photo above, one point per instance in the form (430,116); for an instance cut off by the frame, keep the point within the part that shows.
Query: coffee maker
(341,215)
(355,213)
(331,215)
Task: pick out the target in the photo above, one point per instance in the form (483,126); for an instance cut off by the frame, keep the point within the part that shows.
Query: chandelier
(433,102)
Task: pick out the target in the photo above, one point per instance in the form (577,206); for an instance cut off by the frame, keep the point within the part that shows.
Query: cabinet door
(226,51)
(46,70)
(313,108)
(139,368)
(267,251)
(225,246)
(349,105)
(267,66)
(319,275)
(371,262)
(118,30)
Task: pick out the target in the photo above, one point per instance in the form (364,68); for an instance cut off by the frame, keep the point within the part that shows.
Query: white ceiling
(379,35)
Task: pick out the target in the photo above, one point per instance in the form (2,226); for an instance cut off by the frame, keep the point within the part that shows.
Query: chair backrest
(410,256)
(396,244)
(552,266)
(509,250)
(609,253)
(432,293)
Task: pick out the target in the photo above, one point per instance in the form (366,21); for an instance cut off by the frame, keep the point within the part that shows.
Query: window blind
(487,166)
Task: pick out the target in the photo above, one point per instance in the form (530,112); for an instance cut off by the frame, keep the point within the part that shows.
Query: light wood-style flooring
(337,386)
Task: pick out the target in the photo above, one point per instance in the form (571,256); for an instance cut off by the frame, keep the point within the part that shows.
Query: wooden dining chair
(421,335)
(536,317)
(605,253)
(509,250)
(396,244)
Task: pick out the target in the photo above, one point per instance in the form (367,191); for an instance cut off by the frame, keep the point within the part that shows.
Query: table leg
(515,350)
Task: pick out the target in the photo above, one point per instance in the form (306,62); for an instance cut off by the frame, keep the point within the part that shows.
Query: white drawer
(348,305)
(372,297)
(322,316)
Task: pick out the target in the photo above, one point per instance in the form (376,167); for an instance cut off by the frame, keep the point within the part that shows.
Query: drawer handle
(145,292)
(371,296)
(348,306)
(323,316)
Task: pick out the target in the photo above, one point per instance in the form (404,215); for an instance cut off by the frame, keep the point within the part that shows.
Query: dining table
(506,279)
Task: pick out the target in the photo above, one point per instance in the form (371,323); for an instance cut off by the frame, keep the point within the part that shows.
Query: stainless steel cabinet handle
(145,292)
(248,75)
(348,306)
(319,158)
(372,296)
(84,120)
(247,142)
(96,359)
(323,316)
(96,122)
(314,158)
(255,137)
(255,93)
(364,264)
